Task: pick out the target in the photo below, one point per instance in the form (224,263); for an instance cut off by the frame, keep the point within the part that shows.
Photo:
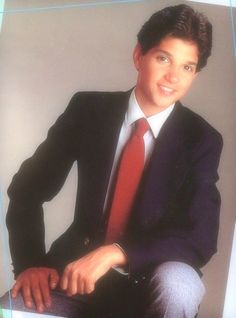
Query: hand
(80,276)
(35,284)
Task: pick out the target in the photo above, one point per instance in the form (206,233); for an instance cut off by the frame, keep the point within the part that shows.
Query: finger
(89,287)
(54,279)
(65,278)
(80,284)
(37,295)
(15,289)
(27,297)
(72,283)
(64,281)
(45,292)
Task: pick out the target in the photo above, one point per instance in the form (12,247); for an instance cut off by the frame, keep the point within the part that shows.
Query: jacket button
(86,241)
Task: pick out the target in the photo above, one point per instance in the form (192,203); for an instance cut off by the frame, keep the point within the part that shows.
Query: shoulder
(97,99)
(92,108)
(195,126)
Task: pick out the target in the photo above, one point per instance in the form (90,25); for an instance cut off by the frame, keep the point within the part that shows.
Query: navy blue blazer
(175,216)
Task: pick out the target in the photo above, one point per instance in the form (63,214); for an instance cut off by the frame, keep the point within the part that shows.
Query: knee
(7,302)
(178,280)
(176,287)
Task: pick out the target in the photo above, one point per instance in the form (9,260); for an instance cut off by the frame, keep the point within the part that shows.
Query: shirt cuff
(118,268)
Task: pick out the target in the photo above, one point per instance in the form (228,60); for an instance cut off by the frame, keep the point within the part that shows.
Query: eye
(162,59)
(189,68)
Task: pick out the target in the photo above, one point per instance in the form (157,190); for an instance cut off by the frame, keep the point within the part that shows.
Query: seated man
(147,211)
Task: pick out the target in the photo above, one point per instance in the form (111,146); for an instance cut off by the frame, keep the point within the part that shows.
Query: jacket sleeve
(38,180)
(195,240)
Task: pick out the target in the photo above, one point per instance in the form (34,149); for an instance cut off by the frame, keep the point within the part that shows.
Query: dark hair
(179,21)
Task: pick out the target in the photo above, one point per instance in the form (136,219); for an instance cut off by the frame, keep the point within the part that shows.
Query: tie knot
(141,127)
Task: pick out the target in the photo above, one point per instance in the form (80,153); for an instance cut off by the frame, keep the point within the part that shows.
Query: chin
(165,104)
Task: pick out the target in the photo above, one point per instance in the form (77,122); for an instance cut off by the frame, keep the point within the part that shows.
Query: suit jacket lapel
(108,121)
(166,169)
(111,128)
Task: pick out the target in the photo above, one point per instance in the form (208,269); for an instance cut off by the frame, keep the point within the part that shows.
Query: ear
(137,56)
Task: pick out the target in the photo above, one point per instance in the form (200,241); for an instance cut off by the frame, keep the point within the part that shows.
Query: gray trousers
(173,290)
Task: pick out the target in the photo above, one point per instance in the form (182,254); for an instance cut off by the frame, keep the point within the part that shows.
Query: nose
(172,75)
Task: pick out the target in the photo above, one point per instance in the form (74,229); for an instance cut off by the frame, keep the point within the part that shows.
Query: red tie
(128,178)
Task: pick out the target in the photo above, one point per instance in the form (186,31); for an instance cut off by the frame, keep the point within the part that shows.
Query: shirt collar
(134,112)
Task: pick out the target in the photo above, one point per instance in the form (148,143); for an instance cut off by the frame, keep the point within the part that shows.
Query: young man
(147,211)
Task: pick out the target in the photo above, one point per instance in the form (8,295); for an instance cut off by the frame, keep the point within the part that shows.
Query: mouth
(167,90)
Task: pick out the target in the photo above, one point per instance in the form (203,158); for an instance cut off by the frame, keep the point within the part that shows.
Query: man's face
(165,73)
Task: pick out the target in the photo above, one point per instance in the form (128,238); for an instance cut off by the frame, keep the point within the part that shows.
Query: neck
(148,108)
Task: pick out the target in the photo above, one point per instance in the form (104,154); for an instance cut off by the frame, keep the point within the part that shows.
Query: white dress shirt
(134,113)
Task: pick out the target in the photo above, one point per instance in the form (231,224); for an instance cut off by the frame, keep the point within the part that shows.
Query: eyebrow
(170,55)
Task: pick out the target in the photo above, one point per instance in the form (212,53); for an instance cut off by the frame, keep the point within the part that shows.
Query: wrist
(115,255)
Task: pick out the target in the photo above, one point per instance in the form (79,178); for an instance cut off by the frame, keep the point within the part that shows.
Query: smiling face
(165,73)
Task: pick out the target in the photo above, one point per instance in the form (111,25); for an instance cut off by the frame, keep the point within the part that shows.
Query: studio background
(46,56)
